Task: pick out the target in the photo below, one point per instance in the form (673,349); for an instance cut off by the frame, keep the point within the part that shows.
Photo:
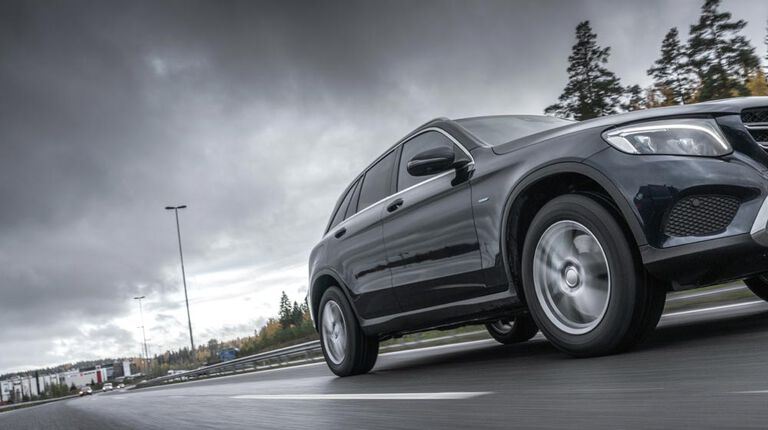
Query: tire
(346,348)
(519,329)
(759,286)
(583,280)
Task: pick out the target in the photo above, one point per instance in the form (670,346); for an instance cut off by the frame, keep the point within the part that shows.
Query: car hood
(716,107)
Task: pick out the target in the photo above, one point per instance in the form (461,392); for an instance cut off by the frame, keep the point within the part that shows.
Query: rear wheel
(515,330)
(759,286)
(583,281)
(346,348)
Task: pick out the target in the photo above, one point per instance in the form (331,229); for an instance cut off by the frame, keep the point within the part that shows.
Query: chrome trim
(446,134)
(756,125)
(469,165)
(760,227)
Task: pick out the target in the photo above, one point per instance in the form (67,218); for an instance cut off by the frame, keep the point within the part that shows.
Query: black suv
(524,223)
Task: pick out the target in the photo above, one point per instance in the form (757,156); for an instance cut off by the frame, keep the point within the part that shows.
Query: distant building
(27,386)
(83,377)
(5,391)
(122,369)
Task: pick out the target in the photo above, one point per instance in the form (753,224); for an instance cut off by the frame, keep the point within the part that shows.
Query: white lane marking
(706,293)
(612,390)
(751,392)
(366,396)
(716,308)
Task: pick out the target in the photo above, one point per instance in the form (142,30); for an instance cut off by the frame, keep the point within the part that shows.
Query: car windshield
(495,130)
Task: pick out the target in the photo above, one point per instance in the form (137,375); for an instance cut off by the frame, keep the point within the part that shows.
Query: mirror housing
(431,161)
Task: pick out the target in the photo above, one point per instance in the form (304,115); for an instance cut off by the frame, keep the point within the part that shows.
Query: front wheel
(508,331)
(583,281)
(347,349)
(759,286)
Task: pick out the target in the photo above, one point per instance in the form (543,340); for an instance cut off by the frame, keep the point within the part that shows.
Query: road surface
(701,369)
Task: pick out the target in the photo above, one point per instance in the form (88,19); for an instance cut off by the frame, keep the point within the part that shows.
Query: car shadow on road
(726,326)
(672,335)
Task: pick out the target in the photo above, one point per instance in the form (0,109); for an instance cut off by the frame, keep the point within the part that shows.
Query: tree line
(716,62)
(292,325)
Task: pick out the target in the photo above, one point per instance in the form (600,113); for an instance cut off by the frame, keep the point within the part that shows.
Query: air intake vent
(703,215)
(756,121)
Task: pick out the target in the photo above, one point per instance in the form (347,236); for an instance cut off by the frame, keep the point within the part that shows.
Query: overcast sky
(254,114)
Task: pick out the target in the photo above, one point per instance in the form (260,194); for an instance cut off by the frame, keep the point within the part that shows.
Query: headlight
(701,137)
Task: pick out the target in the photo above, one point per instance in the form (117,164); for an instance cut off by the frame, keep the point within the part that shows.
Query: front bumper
(654,185)
(713,261)
(759,230)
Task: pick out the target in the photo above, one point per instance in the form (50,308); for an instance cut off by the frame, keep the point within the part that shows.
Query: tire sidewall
(346,366)
(623,275)
(523,329)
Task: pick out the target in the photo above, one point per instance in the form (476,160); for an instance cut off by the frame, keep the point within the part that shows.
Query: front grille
(756,121)
(761,136)
(703,215)
(755,115)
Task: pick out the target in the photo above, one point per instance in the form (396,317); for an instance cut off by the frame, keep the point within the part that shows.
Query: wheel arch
(541,186)
(322,280)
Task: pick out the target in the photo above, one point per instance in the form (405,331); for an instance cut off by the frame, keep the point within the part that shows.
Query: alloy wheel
(571,277)
(334,332)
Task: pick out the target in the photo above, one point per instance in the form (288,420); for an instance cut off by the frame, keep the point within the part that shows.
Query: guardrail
(12,406)
(243,364)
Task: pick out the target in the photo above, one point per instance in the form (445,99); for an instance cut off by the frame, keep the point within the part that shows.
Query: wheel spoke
(571,277)
(334,331)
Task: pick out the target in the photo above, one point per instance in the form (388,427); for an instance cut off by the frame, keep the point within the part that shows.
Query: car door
(356,242)
(432,247)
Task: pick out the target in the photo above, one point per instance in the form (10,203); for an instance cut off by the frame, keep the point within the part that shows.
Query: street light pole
(143,333)
(175,209)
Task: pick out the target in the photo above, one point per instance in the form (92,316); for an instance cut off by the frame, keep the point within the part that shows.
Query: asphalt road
(701,369)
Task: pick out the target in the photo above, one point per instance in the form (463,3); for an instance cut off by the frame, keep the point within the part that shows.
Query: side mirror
(431,161)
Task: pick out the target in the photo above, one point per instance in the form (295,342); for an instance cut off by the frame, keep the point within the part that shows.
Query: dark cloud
(255,114)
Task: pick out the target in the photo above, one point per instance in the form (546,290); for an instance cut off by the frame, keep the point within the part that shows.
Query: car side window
(420,143)
(377,183)
(341,211)
(352,208)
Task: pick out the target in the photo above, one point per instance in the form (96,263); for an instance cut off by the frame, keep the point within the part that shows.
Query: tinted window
(352,208)
(342,209)
(422,142)
(377,182)
(495,130)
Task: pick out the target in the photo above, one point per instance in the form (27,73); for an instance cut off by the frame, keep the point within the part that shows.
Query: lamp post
(143,333)
(175,209)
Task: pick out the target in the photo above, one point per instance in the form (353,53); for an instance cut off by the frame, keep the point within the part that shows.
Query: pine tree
(635,99)
(672,75)
(296,315)
(286,315)
(722,58)
(592,89)
(757,84)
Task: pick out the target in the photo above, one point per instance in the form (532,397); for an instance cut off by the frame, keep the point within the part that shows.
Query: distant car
(120,385)
(107,387)
(86,391)
(527,222)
